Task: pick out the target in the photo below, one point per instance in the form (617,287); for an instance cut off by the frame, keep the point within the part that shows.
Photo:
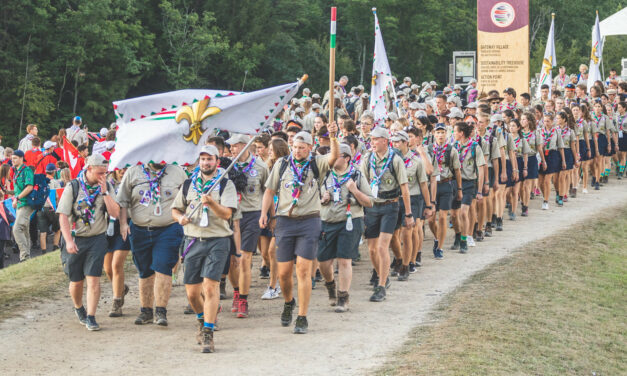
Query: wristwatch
(105,193)
(409,215)
(429,207)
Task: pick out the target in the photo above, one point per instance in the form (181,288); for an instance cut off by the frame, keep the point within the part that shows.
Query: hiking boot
(560,202)
(116,309)
(264,273)
(145,317)
(301,325)
(342,302)
(394,268)
(479,236)
(374,278)
(463,246)
(403,273)
(242,309)
(378,295)
(439,254)
(160,316)
(318,276)
(332,293)
(512,216)
(499,224)
(596,186)
(201,325)
(412,268)
(207,341)
(573,194)
(488,230)
(188,310)
(81,313)
(288,309)
(493,220)
(222,290)
(91,324)
(387,283)
(458,238)
(436,245)
(126,290)
(418,261)
(235,304)
(525,211)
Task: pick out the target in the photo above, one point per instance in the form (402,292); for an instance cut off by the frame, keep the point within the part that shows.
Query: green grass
(39,277)
(556,307)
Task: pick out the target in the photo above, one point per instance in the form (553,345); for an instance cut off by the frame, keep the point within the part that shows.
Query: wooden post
(332,66)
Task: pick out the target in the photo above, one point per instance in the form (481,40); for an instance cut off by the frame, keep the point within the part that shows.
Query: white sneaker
(471,241)
(270,294)
(584,190)
(545,206)
(278,288)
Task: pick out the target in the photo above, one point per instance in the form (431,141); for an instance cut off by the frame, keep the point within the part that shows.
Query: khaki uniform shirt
(255,187)
(388,181)
(133,187)
(78,135)
(555,142)
(473,160)
(583,130)
(416,172)
(568,137)
(522,148)
(309,200)
(445,171)
(73,211)
(218,227)
(336,211)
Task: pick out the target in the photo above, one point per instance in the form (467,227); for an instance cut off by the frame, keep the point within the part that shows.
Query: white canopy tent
(616,24)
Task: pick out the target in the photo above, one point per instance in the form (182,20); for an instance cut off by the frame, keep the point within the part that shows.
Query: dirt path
(48,340)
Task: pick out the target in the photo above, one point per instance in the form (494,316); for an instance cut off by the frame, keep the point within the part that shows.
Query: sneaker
(235,304)
(471,242)
(318,276)
(394,268)
(412,268)
(188,310)
(573,194)
(161,318)
(597,186)
(388,283)
(439,254)
(342,302)
(525,211)
(499,224)
(512,216)
(81,313)
(331,289)
(91,324)
(301,325)
(374,278)
(545,205)
(463,246)
(436,245)
(560,201)
(418,261)
(538,193)
(584,191)
(145,317)
(264,272)
(270,294)
(488,230)
(479,236)
(378,295)
(207,345)
(242,309)
(116,309)
(313,283)
(288,309)
(565,198)
(458,238)
(403,274)
(222,290)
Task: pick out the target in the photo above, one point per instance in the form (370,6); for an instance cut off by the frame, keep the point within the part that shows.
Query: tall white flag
(176,133)
(595,57)
(382,85)
(548,62)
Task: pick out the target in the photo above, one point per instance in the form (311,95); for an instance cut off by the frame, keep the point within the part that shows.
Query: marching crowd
(307,189)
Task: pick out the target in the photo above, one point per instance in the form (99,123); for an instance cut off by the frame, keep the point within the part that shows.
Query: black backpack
(312,165)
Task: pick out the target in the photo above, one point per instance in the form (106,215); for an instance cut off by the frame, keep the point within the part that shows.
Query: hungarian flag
(70,155)
(176,133)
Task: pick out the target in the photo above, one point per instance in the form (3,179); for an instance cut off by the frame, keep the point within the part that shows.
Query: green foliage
(61,58)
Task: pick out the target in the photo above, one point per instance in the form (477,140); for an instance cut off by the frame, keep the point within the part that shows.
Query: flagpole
(250,142)
(332,64)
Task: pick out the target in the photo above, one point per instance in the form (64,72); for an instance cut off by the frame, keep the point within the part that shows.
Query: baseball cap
(407,79)
(570,87)
(392,116)
(51,167)
(439,126)
(304,137)
(496,117)
(380,133)
(97,160)
(238,138)
(78,118)
(103,131)
(110,145)
(400,136)
(457,87)
(472,81)
(19,153)
(472,105)
(315,106)
(299,109)
(433,83)
(450,99)
(456,113)
(209,150)
(346,149)
(414,106)
(49,144)
(316,96)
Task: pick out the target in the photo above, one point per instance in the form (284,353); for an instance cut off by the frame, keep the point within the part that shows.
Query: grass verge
(556,307)
(20,284)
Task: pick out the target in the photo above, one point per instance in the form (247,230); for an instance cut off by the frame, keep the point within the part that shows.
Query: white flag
(177,134)
(548,62)
(595,57)
(381,77)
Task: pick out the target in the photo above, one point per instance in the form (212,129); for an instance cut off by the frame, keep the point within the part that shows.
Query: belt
(150,228)
(386,202)
(302,217)
(445,180)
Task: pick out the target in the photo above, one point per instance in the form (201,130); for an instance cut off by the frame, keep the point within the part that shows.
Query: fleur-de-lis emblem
(594,56)
(194,115)
(374,79)
(547,64)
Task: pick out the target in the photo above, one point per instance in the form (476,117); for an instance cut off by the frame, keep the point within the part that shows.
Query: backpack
(313,166)
(350,107)
(38,196)
(76,188)
(447,155)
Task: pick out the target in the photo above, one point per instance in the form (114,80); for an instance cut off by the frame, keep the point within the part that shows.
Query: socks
(210,325)
(243,297)
(464,238)
(200,316)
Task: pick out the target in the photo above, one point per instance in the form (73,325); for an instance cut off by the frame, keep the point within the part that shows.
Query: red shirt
(43,161)
(31,157)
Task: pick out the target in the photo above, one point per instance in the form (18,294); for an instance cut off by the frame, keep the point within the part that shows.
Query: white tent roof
(616,24)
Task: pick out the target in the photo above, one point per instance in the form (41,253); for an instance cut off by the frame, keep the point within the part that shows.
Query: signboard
(503,45)
(464,63)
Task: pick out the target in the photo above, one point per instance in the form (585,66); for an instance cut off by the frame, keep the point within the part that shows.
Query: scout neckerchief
(154,193)
(466,148)
(509,106)
(87,216)
(517,142)
(439,152)
(376,179)
(299,174)
(18,172)
(244,168)
(565,132)
(597,119)
(339,181)
(547,139)
(407,160)
(202,189)
(580,122)
(356,160)
(365,141)
(561,80)
(619,120)
(529,136)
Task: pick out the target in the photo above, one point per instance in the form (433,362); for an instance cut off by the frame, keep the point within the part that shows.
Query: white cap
(304,137)
(110,145)
(103,132)
(238,139)
(49,144)
(455,113)
(210,150)
(380,133)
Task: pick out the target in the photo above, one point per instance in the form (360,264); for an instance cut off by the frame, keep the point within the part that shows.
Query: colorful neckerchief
(547,137)
(597,119)
(365,141)
(18,172)
(376,179)
(154,183)
(580,122)
(356,160)
(338,183)
(438,153)
(240,166)
(90,199)
(467,147)
(299,173)
(619,120)
(565,132)
(488,134)
(203,188)
(408,159)
(517,142)
(561,80)
(509,106)
(529,136)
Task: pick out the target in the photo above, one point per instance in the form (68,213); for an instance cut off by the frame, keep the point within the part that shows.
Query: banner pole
(332,65)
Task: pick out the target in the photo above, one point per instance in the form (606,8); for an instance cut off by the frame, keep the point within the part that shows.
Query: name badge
(620,134)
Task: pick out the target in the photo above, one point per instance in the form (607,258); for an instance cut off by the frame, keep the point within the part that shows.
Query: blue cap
(51,167)
(19,153)
(439,126)
(78,118)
